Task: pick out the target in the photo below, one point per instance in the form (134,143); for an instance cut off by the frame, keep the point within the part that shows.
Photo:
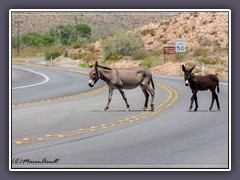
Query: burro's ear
(96,64)
(183,68)
(90,65)
(191,69)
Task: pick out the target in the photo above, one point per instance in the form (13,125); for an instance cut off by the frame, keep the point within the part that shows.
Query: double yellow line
(58,98)
(172,97)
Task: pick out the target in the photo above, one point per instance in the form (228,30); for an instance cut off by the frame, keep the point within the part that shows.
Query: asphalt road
(73,132)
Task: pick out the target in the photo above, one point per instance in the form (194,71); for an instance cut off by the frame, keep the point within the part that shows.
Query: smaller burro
(120,79)
(201,83)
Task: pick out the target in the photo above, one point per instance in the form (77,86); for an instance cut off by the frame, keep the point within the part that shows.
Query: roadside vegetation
(53,43)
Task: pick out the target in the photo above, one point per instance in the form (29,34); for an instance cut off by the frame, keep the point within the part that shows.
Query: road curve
(79,135)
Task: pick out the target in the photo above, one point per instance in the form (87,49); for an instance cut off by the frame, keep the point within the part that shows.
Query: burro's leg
(152,92)
(213,98)
(109,98)
(146,97)
(193,98)
(218,105)
(196,103)
(125,99)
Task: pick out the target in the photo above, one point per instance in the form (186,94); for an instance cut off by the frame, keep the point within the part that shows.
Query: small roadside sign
(169,49)
(180,45)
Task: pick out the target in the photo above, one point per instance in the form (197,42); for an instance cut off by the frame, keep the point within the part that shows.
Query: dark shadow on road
(204,111)
(118,111)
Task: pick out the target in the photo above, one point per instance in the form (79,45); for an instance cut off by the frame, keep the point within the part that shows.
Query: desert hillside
(206,35)
(41,22)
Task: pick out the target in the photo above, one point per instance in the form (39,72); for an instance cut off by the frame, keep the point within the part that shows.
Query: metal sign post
(180,48)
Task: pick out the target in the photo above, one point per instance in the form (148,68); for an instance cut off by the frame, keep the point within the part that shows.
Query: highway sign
(169,49)
(180,45)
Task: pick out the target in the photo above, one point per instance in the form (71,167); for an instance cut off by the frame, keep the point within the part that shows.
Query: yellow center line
(169,101)
(59,98)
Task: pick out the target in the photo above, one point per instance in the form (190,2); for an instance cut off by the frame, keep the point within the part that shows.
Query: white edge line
(31,85)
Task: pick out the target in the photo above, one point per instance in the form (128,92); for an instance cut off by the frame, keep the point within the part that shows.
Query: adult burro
(201,83)
(120,79)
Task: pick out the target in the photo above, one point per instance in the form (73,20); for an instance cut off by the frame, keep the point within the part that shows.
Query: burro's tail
(152,84)
(218,87)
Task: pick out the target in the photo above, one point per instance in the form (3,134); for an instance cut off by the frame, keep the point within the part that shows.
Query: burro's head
(187,74)
(94,75)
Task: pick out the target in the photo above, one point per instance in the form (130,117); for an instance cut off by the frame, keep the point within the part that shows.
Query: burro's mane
(104,67)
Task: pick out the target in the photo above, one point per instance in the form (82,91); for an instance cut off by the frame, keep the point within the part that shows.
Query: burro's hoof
(127,109)
(104,109)
(209,110)
(152,107)
(144,109)
(190,109)
(218,109)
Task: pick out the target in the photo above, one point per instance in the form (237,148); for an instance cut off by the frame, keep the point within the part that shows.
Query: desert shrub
(84,65)
(115,56)
(122,43)
(205,42)
(208,61)
(165,23)
(186,31)
(76,45)
(195,14)
(204,22)
(213,32)
(148,31)
(200,52)
(151,62)
(90,57)
(91,48)
(53,55)
(76,56)
(139,54)
(221,40)
(164,40)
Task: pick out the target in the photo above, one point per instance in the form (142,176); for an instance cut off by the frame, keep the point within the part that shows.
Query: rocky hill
(206,35)
(204,29)
(102,23)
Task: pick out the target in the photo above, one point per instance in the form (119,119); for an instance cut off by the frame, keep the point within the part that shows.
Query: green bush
(53,55)
(115,56)
(139,54)
(77,45)
(91,48)
(150,62)
(84,65)
(76,56)
(90,57)
(14,42)
(122,43)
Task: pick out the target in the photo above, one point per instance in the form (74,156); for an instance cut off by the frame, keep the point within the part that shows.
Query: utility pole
(76,28)
(18,42)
